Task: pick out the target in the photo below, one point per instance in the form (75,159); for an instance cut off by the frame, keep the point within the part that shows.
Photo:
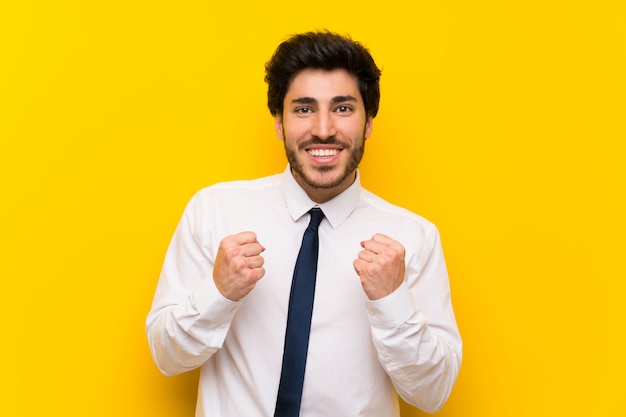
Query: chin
(326,178)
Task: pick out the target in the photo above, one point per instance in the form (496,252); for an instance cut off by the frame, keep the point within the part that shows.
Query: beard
(356,154)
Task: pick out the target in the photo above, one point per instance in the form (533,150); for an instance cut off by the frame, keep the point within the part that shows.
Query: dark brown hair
(321,50)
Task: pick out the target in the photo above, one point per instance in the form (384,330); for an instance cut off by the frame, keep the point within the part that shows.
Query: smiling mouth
(322,153)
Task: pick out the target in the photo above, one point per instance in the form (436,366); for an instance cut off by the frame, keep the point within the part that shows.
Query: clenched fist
(380,266)
(238,265)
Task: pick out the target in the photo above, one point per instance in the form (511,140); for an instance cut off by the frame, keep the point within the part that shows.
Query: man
(382,321)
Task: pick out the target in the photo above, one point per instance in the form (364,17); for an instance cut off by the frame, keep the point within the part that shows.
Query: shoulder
(239,189)
(241,186)
(232,196)
(377,206)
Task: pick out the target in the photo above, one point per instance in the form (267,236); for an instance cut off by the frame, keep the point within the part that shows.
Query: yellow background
(502,122)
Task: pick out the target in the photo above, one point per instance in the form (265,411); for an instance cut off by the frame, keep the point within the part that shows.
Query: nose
(323,125)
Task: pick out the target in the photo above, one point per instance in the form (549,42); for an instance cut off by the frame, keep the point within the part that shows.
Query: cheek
(354,131)
(294,129)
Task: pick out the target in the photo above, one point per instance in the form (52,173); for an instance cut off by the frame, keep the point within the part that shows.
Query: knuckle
(251,276)
(226,242)
(238,263)
(392,254)
(372,268)
(231,252)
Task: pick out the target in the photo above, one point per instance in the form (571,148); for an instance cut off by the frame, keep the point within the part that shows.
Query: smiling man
(303,294)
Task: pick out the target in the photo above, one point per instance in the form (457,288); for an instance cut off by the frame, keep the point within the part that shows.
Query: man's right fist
(238,265)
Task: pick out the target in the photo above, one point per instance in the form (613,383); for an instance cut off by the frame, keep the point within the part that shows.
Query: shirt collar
(336,210)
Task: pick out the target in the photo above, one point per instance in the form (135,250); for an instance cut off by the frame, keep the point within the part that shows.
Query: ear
(369,125)
(279,127)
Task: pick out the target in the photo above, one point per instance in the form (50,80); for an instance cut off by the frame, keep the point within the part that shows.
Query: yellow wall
(503,122)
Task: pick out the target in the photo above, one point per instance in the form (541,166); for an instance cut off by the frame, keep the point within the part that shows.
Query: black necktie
(299,322)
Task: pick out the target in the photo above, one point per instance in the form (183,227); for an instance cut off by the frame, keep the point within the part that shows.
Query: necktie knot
(316,218)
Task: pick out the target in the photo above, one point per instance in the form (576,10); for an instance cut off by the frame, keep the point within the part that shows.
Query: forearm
(183,336)
(422,361)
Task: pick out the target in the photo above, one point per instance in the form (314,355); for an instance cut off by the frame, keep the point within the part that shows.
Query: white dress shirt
(361,352)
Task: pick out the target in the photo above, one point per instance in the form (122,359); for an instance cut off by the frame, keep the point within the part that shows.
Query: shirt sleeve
(189,318)
(415,332)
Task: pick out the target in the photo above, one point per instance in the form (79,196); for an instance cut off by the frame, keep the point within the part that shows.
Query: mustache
(316,140)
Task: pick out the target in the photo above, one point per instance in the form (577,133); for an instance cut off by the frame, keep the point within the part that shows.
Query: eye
(343,109)
(303,110)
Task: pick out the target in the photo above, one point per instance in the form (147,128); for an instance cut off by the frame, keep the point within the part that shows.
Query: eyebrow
(342,99)
(304,100)
(334,100)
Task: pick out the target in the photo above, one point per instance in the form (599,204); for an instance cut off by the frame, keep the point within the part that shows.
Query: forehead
(323,84)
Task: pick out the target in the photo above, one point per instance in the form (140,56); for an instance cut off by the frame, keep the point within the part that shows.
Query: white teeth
(323,152)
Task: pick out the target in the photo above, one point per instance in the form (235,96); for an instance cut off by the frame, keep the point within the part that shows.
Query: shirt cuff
(212,305)
(392,310)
